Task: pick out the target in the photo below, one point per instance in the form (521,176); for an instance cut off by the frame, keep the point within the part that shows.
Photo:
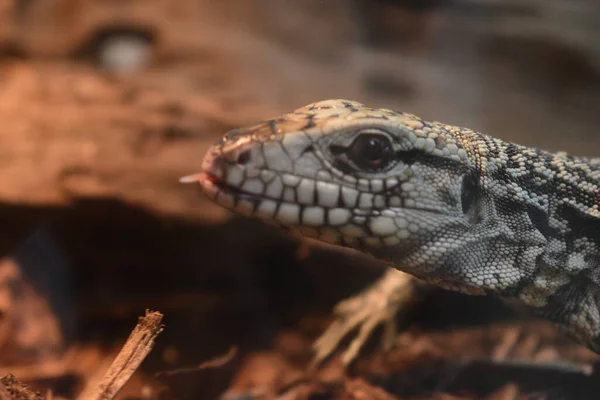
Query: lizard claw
(377,304)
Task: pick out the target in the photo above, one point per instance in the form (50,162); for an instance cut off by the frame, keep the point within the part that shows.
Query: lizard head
(374,179)
(449,205)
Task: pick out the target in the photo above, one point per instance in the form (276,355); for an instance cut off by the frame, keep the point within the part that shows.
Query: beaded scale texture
(451,206)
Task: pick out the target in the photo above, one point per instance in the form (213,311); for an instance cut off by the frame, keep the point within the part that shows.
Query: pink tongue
(193,178)
(200,177)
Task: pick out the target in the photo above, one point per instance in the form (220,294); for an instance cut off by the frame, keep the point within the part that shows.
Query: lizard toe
(377,305)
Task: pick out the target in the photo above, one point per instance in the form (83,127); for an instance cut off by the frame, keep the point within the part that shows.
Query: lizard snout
(213,163)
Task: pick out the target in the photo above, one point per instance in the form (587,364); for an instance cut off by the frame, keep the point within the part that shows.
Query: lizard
(442,206)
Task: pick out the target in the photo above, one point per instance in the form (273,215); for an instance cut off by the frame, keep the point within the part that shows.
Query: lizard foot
(377,304)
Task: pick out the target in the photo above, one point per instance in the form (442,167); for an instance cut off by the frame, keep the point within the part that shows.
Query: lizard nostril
(244,157)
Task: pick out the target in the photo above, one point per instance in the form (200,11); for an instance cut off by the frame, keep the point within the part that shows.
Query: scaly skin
(448,205)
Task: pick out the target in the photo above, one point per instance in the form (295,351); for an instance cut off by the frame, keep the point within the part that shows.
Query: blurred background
(104,104)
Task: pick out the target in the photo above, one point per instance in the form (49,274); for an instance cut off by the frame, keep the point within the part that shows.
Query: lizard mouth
(229,196)
(212,185)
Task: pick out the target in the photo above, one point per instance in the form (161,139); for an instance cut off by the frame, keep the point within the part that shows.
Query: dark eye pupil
(371,151)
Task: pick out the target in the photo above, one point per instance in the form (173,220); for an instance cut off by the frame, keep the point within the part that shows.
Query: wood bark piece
(12,389)
(138,345)
(82,135)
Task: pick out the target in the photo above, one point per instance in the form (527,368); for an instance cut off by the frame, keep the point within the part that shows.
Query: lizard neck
(549,202)
(537,242)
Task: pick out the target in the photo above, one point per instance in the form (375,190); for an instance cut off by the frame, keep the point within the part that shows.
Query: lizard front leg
(379,303)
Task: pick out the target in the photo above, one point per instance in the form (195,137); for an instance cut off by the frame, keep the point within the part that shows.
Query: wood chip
(138,346)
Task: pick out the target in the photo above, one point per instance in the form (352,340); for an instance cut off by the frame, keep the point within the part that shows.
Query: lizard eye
(371,151)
